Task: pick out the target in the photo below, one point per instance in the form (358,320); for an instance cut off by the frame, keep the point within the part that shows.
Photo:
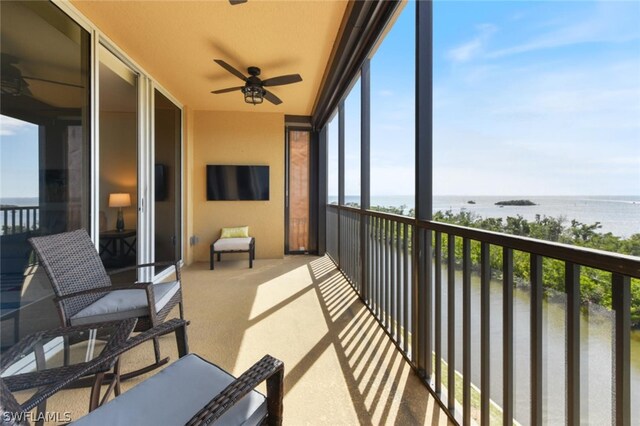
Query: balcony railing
(440,305)
(19,219)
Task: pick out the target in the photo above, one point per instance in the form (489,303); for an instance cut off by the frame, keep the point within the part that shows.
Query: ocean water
(619,215)
(20,202)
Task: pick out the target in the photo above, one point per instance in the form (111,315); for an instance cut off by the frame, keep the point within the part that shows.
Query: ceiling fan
(254,89)
(14,83)
(235,2)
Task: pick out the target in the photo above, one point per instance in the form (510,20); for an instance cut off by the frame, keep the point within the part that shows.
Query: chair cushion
(122,304)
(237,232)
(232,244)
(174,395)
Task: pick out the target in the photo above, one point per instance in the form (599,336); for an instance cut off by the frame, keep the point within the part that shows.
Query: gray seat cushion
(176,394)
(123,304)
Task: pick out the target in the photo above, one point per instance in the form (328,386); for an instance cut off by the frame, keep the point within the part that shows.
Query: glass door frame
(142,232)
(146,160)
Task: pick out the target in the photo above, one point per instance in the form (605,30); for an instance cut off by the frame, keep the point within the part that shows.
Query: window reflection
(44,147)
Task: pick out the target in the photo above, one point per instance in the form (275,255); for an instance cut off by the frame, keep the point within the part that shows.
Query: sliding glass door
(119,164)
(167,180)
(73,159)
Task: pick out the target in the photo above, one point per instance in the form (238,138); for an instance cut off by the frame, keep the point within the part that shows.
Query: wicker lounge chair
(84,293)
(190,391)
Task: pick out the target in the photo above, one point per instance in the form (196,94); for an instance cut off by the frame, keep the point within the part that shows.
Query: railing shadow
(382,387)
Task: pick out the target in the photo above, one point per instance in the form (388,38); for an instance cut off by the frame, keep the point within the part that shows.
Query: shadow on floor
(383,390)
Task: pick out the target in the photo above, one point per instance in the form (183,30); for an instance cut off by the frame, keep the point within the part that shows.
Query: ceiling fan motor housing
(254,71)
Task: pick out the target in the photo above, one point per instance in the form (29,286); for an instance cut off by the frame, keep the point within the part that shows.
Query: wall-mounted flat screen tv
(161,182)
(237,183)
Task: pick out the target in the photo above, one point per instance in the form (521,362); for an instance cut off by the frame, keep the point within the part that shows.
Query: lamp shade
(119,200)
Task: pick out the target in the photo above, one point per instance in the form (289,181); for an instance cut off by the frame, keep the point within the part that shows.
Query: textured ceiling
(176,42)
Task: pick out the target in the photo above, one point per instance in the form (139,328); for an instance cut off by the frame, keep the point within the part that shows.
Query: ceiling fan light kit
(253,94)
(254,88)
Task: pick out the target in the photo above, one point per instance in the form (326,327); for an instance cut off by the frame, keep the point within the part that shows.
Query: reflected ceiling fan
(254,89)
(235,2)
(14,83)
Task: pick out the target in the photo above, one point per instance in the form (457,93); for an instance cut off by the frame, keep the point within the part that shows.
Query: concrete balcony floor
(340,367)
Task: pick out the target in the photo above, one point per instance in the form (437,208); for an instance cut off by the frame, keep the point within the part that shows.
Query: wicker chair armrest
(144,265)
(136,286)
(47,383)
(269,369)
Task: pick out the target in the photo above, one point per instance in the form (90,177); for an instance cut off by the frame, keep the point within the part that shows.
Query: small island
(516,203)
(471,202)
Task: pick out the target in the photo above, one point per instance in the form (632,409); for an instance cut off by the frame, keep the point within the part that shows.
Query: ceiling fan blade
(230,89)
(234,2)
(15,87)
(52,81)
(231,69)
(272,98)
(282,80)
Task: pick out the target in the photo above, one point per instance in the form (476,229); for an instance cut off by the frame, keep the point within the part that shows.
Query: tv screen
(161,182)
(237,183)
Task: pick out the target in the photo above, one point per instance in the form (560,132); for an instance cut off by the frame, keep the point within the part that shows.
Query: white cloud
(607,23)
(474,47)
(10,126)
(553,127)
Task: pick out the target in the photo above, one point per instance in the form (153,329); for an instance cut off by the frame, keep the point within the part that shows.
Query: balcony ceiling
(176,42)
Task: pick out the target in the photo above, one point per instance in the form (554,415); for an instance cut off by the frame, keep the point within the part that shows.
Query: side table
(116,244)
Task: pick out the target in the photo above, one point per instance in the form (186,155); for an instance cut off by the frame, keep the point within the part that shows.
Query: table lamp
(119,200)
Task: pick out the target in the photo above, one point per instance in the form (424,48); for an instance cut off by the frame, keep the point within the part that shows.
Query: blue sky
(530,98)
(18,158)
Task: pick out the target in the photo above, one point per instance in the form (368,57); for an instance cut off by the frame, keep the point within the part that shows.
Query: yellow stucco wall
(243,139)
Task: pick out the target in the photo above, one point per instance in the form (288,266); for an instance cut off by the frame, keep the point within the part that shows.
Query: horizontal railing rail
(592,258)
(428,313)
